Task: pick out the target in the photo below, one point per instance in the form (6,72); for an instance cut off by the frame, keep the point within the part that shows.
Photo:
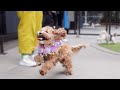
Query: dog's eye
(46,31)
(62,35)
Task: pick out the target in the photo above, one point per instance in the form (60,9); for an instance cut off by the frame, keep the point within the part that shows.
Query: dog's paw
(38,63)
(68,73)
(42,72)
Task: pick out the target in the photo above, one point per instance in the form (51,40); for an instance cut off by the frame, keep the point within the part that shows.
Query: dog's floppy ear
(54,31)
(64,34)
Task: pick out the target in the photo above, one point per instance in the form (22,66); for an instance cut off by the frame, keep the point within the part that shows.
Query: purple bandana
(43,50)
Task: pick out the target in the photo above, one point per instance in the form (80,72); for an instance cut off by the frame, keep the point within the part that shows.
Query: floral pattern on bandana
(43,50)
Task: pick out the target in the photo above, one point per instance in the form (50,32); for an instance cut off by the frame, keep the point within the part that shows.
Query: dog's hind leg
(68,67)
(68,64)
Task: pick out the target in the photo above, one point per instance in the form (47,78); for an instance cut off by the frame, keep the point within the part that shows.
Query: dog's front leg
(39,59)
(48,65)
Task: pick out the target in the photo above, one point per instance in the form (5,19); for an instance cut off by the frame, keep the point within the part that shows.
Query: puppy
(108,38)
(51,52)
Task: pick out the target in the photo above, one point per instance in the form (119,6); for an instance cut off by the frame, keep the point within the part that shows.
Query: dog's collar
(44,50)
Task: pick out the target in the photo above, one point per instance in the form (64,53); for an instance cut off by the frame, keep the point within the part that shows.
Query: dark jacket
(59,12)
(47,18)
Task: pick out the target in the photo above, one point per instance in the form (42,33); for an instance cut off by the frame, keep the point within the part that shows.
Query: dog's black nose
(40,33)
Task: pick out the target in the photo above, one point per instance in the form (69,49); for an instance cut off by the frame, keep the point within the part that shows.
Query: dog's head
(46,35)
(60,34)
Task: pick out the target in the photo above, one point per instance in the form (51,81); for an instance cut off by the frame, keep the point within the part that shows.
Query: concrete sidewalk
(89,63)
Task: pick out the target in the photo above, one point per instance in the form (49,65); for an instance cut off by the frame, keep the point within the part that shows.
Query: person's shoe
(26,61)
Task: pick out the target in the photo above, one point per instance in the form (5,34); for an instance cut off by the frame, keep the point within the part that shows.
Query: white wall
(71,15)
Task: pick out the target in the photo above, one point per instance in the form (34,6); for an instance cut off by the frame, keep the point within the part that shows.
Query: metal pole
(1,45)
(110,16)
(78,23)
(75,22)
(107,21)
(1,36)
(117,19)
(85,21)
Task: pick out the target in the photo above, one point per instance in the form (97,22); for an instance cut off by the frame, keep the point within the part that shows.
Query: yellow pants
(30,22)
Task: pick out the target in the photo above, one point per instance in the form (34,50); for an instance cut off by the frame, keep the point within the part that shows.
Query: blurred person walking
(30,22)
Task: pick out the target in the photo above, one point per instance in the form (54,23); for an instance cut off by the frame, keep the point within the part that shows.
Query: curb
(96,46)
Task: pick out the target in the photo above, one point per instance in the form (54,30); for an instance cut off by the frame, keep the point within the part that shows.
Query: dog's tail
(77,48)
